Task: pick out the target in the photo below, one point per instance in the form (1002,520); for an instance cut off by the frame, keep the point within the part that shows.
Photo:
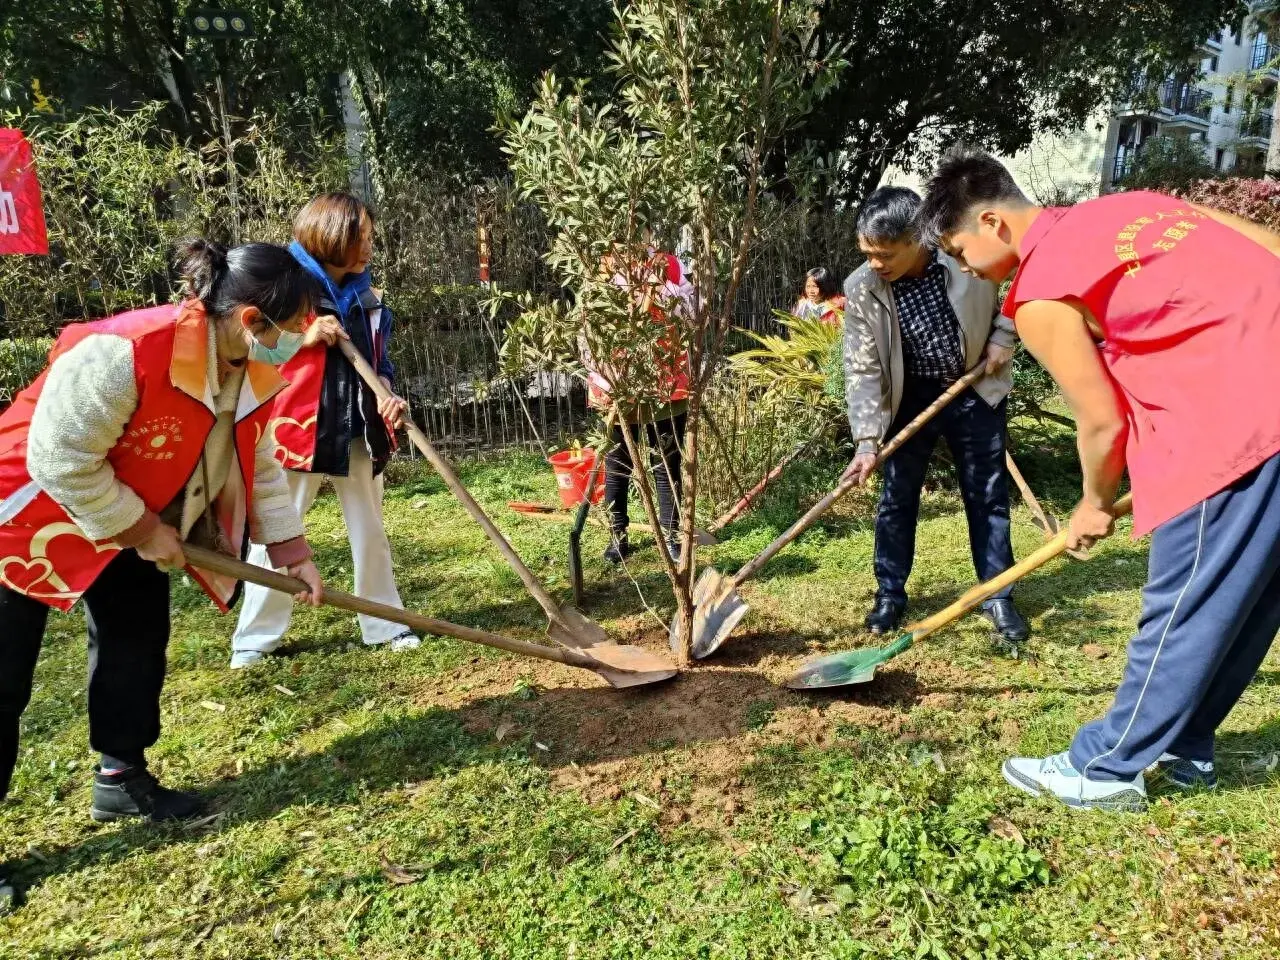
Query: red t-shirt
(1190,312)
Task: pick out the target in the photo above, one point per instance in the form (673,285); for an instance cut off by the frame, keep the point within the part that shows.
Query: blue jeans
(1210,611)
(974,432)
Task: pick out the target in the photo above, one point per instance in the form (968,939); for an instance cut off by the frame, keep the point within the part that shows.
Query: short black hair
(888,214)
(965,178)
(826,282)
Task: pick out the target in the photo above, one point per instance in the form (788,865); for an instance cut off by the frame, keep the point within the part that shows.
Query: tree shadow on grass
(580,724)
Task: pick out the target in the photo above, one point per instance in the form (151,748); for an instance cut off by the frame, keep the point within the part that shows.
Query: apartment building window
(1226,101)
(1218,156)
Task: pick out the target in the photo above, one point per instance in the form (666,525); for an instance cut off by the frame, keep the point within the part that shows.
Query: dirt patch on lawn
(679,746)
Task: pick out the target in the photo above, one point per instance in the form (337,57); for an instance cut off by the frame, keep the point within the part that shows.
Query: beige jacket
(873,365)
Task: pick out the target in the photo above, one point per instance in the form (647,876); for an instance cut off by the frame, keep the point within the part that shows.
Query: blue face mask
(288,344)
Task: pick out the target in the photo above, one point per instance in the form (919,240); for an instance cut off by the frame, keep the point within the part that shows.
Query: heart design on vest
(287,437)
(76,559)
(22,575)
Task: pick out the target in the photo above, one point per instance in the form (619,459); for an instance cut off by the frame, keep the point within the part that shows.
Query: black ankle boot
(884,616)
(8,895)
(618,550)
(135,792)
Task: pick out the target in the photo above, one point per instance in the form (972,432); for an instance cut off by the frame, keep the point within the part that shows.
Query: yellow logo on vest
(154,439)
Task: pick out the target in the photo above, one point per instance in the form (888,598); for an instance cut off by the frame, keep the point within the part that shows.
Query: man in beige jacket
(914,323)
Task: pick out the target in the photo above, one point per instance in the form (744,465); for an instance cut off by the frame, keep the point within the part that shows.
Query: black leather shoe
(884,616)
(136,792)
(1008,622)
(618,550)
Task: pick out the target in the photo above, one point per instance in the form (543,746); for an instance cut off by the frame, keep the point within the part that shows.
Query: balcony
(1265,59)
(1189,104)
(1256,130)
(1174,103)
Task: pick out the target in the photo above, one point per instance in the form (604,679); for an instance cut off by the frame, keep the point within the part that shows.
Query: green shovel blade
(847,668)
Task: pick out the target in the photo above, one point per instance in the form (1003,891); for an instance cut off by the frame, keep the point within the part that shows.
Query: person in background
(666,293)
(328,425)
(141,435)
(822,299)
(914,324)
(1160,321)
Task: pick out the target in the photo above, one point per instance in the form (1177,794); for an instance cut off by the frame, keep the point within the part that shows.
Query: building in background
(1225,103)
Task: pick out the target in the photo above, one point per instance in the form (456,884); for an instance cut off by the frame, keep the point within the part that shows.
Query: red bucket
(573,473)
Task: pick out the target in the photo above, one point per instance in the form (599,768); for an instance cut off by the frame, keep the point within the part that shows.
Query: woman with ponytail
(146,431)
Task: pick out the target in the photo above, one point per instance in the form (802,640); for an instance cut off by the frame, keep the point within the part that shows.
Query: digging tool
(859,666)
(717,606)
(567,626)
(621,666)
(1046,522)
(580,518)
(749,497)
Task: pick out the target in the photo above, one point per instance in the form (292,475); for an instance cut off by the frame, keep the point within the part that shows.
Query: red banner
(22,228)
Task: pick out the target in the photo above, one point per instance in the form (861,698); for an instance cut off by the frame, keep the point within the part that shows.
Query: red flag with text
(22,228)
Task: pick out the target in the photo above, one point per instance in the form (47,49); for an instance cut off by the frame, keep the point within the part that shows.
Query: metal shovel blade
(717,610)
(847,668)
(583,633)
(629,666)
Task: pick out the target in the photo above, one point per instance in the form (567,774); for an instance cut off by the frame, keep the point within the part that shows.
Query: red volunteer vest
(1190,311)
(43,553)
(674,365)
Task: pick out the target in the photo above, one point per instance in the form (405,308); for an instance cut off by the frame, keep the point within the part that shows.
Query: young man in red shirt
(1160,321)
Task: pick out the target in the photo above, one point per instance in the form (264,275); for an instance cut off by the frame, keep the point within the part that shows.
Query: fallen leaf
(641,798)
(1095,651)
(624,838)
(542,746)
(1202,921)
(420,504)
(1006,830)
(285,690)
(397,874)
(502,731)
(211,705)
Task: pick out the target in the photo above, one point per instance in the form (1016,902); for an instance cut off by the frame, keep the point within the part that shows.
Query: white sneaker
(405,641)
(246,658)
(1055,775)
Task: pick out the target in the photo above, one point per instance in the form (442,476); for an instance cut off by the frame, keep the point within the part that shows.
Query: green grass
(533,812)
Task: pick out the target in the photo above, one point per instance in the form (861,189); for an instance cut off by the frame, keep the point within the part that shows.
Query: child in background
(329,425)
(822,298)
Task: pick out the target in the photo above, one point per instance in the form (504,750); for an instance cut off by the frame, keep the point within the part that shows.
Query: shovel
(567,626)
(749,497)
(620,666)
(1046,522)
(717,606)
(859,666)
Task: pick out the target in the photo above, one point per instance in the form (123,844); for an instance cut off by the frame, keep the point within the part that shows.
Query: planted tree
(704,89)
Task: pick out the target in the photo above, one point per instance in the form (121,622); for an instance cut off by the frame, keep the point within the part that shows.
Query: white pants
(265,614)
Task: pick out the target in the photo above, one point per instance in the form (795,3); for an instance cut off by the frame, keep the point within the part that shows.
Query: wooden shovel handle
(847,484)
(984,591)
(230,567)
(749,497)
(445,469)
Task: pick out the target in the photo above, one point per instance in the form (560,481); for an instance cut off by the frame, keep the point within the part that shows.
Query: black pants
(975,433)
(127,609)
(665,439)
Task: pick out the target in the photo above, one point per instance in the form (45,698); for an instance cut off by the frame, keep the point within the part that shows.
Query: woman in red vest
(147,430)
(1160,321)
(658,282)
(327,425)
